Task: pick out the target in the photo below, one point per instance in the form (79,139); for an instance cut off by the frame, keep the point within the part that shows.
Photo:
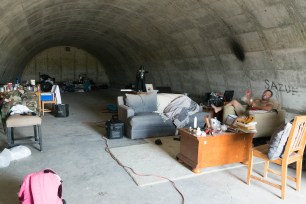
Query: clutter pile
(246,124)
(83,84)
(213,126)
(16,99)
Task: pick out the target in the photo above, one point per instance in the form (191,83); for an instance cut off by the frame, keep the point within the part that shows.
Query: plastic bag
(5,158)
(20,152)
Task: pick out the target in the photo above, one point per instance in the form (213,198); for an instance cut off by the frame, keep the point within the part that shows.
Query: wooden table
(208,151)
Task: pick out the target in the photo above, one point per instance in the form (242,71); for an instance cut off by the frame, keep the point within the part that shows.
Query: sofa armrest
(124,112)
(268,122)
(227,110)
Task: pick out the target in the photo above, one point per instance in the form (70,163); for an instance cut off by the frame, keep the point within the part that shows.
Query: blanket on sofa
(179,111)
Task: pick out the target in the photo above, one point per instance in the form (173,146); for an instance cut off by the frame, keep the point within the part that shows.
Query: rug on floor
(159,160)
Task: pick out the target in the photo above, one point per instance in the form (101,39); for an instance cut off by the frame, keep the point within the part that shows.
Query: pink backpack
(44,187)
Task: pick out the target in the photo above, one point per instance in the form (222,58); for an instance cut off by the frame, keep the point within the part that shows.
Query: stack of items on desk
(246,124)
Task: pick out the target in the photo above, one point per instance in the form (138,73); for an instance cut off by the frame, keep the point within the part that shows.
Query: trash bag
(5,158)
(20,152)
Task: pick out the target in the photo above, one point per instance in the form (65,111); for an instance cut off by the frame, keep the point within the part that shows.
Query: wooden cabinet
(208,151)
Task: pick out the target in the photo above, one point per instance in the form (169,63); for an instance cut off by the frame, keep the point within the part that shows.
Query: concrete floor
(74,148)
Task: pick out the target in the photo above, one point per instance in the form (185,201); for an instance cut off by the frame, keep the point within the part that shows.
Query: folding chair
(47,98)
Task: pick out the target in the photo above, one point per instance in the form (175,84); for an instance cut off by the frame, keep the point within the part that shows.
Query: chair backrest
(297,138)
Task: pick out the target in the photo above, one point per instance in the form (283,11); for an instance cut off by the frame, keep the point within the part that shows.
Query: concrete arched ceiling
(183,44)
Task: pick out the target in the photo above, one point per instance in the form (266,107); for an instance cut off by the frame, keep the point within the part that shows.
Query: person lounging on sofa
(266,111)
(143,114)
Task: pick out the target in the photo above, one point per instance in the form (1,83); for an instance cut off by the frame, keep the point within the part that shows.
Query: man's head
(267,94)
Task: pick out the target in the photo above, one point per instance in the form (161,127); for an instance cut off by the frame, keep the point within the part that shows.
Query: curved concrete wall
(65,64)
(183,44)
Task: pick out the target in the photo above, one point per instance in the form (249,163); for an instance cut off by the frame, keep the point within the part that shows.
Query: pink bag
(44,187)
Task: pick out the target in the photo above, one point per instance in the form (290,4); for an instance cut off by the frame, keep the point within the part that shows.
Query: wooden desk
(208,151)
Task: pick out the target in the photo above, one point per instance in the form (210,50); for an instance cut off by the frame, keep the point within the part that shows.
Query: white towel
(55,89)
(19,109)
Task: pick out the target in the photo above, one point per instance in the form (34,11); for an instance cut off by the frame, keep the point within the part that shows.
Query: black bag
(215,99)
(114,128)
(61,110)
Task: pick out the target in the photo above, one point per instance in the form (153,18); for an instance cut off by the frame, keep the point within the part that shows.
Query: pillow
(163,99)
(144,102)
(278,141)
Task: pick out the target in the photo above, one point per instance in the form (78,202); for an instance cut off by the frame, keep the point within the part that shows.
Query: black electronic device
(228,95)
(114,128)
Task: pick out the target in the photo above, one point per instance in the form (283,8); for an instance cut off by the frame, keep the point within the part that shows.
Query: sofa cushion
(144,102)
(163,99)
(278,141)
(148,120)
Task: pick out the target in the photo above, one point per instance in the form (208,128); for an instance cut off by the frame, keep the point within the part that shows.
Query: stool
(22,121)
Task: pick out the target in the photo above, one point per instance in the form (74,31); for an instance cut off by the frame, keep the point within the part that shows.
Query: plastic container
(20,152)
(5,158)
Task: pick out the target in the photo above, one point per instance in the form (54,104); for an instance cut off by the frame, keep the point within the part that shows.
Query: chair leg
(43,108)
(284,180)
(40,137)
(266,169)
(250,167)
(298,174)
(12,136)
(4,126)
(9,136)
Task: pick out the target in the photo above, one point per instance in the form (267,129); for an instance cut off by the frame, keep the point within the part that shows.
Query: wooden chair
(44,102)
(294,150)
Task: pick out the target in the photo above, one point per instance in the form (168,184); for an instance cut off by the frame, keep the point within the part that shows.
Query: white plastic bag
(5,158)
(20,152)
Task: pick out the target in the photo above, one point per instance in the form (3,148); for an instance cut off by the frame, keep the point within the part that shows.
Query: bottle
(199,132)
(17,80)
(195,122)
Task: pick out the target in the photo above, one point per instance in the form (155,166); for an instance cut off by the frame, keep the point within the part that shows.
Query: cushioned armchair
(267,122)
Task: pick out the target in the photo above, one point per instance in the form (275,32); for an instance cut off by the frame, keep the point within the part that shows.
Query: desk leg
(196,170)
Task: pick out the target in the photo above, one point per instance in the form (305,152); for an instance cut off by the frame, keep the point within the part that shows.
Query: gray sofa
(142,124)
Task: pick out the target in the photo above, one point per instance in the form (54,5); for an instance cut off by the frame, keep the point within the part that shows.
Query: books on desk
(248,128)
(251,124)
